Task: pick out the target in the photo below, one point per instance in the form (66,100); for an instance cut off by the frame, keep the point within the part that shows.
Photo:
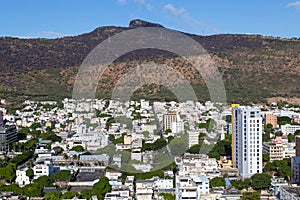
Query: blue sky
(56,18)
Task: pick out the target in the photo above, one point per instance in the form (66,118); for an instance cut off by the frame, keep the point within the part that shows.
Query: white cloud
(191,24)
(295,4)
(174,11)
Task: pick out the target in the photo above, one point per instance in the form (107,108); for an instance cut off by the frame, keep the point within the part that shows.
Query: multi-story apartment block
(191,187)
(271,119)
(169,118)
(192,138)
(289,129)
(8,134)
(43,168)
(295,169)
(247,140)
(274,150)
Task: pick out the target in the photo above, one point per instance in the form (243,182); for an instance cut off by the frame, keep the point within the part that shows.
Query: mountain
(254,67)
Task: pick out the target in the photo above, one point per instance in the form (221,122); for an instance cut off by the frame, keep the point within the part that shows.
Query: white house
(21,178)
(144,189)
(43,168)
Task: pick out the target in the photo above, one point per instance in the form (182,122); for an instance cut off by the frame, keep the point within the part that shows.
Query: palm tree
(75,157)
(66,157)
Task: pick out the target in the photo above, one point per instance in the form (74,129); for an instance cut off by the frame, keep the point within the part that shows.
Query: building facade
(295,169)
(8,134)
(169,118)
(274,150)
(192,138)
(289,193)
(271,119)
(247,143)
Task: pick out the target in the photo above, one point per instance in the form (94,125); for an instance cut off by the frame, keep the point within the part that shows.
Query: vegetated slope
(253,67)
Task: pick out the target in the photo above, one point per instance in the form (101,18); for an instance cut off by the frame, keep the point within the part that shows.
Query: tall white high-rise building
(247,140)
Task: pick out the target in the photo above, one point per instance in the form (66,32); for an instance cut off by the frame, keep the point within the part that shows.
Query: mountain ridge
(27,64)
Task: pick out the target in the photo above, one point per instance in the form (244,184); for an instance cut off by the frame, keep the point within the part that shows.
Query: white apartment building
(288,128)
(21,178)
(163,184)
(43,168)
(169,119)
(247,140)
(144,189)
(274,150)
(191,187)
(197,165)
(177,127)
(193,138)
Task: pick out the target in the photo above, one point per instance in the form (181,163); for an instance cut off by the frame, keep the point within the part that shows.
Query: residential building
(130,183)
(102,159)
(289,193)
(136,154)
(274,150)
(8,134)
(297,141)
(168,119)
(295,164)
(193,138)
(43,168)
(177,127)
(232,130)
(276,184)
(271,119)
(21,178)
(197,165)
(144,189)
(289,129)
(191,187)
(163,184)
(247,144)
(185,188)
(296,119)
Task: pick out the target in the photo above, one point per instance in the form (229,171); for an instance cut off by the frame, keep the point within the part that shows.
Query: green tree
(78,148)
(290,137)
(261,181)
(283,120)
(53,195)
(30,173)
(33,190)
(62,175)
(86,194)
(251,196)
(285,171)
(195,149)
(168,196)
(43,181)
(217,182)
(69,195)
(9,172)
(101,187)
(266,158)
(241,184)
